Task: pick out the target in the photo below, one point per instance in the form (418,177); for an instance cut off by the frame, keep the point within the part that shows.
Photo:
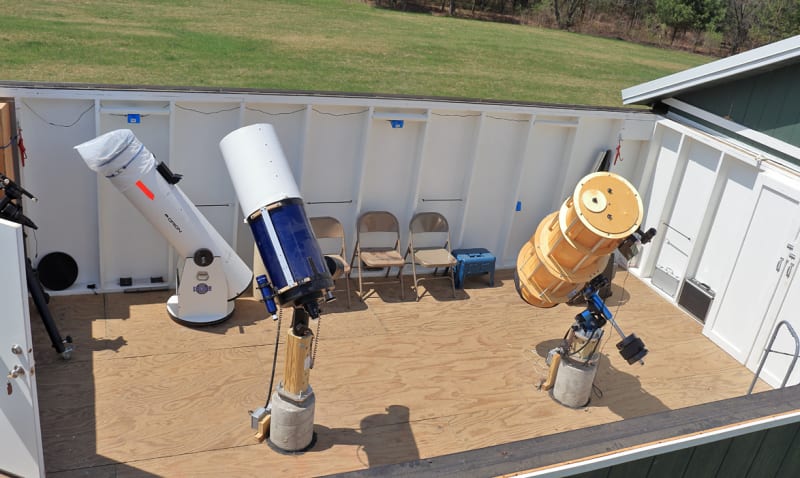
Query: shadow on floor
(67,395)
(381,438)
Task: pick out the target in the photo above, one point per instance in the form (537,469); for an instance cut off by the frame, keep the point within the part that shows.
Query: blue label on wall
(134,118)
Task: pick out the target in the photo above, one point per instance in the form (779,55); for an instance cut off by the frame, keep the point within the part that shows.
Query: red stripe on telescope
(145,190)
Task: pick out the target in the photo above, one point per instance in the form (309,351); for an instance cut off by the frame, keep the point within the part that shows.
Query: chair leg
(453,284)
(347,285)
(360,283)
(416,283)
(402,287)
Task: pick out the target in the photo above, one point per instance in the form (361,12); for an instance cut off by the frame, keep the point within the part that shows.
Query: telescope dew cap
(258,168)
(105,148)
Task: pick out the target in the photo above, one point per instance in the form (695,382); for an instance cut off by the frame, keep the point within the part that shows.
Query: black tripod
(11,210)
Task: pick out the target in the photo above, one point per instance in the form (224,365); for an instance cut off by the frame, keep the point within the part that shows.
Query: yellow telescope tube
(573,245)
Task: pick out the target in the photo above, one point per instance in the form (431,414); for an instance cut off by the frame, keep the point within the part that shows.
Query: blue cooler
(473,262)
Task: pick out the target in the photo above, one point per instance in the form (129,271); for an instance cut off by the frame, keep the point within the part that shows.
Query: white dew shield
(119,156)
(258,168)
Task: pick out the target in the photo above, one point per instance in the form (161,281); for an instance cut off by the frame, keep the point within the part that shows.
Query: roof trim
(671,85)
(678,107)
(587,449)
(39,88)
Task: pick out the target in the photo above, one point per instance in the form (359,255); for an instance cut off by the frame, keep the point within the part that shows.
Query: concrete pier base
(291,427)
(573,387)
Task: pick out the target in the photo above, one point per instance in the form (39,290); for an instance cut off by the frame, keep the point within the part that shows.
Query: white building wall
(471,162)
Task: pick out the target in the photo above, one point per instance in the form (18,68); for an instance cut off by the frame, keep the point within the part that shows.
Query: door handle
(779,264)
(789,269)
(16,372)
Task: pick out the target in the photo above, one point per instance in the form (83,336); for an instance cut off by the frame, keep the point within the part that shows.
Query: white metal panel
(391,156)
(20,432)
(538,184)
(502,141)
(129,245)
(630,148)
(199,127)
(680,232)
(728,227)
(66,212)
(449,148)
(636,130)
(656,190)
(333,163)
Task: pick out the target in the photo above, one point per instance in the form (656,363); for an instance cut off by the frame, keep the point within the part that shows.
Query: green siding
(741,454)
(791,462)
(670,465)
(768,102)
(774,452)
(707,459)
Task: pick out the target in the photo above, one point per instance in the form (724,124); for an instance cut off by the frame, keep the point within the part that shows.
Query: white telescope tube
(124,160)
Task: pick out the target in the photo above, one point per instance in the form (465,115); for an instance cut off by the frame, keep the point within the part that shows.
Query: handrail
(769,349)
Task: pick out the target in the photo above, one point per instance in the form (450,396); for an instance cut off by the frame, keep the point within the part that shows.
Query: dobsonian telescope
(211,274)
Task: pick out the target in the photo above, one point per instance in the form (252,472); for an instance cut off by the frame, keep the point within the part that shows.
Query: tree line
(722,27)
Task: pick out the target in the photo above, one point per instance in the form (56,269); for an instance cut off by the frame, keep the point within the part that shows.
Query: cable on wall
(60,125)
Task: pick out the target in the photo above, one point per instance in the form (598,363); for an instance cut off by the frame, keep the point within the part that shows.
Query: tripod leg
(40,301)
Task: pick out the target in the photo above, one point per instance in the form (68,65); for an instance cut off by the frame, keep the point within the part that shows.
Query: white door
(20,435)
(759,267)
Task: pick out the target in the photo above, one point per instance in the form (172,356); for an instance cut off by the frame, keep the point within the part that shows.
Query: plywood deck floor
(394,380)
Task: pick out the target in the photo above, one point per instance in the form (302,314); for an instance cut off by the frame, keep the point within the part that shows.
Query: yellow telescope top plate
(608,205)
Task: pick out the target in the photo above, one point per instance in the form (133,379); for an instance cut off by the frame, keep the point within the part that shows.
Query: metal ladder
(768,350)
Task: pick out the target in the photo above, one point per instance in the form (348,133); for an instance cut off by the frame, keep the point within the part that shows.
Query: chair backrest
(428,222)
(428,226)
(378,221)
(378,229)
(326,227)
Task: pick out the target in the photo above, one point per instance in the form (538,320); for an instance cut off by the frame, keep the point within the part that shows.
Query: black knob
(203,257)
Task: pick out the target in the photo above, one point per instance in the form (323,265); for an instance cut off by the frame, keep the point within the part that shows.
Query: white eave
(670,86)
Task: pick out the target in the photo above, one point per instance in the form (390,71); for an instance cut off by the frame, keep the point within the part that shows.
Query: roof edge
(750,60)
(365,96)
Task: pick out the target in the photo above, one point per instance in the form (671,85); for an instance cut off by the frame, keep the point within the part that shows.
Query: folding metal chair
(380,231)
(429,246)
(330,235)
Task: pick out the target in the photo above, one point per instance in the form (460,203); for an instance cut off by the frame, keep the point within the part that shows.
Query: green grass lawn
(327,45)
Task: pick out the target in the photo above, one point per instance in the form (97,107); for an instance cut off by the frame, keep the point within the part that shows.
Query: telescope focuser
(630,246)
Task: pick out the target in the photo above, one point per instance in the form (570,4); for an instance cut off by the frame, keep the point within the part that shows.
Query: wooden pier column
(298,363)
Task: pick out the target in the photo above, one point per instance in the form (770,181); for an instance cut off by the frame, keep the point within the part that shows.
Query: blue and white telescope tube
(272,206)
(121,158)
